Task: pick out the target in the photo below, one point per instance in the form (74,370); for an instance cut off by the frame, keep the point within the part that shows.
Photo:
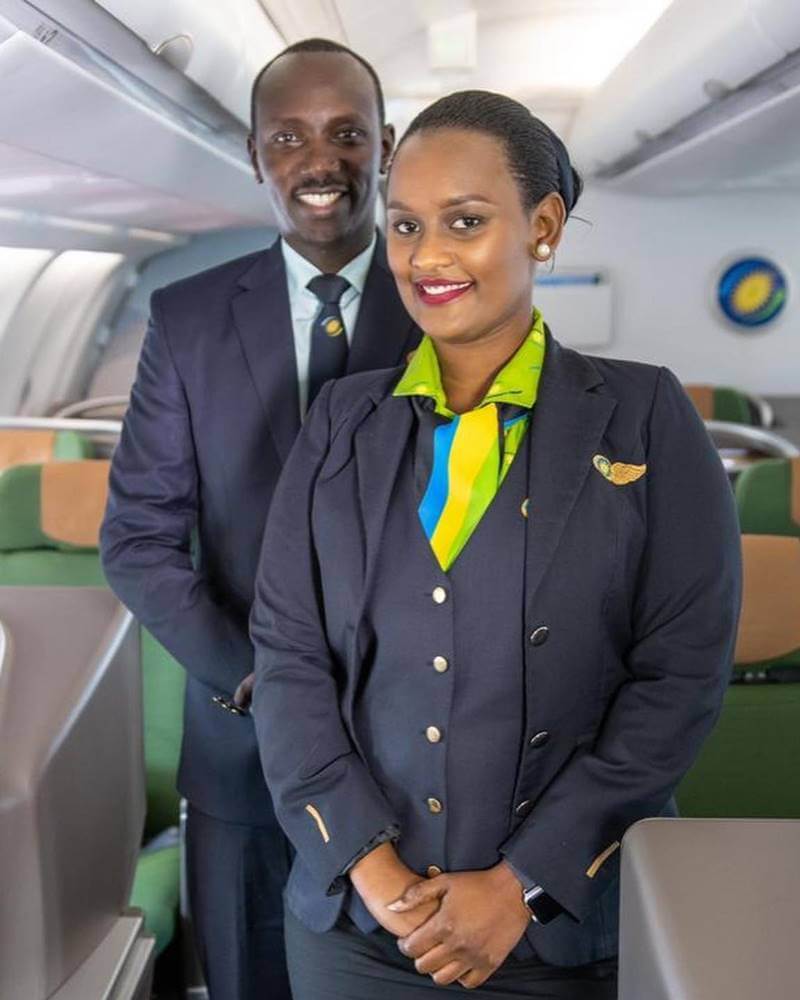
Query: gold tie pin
(333,326)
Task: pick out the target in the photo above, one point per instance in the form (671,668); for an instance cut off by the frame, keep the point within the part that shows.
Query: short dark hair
(317,45)
(537,158)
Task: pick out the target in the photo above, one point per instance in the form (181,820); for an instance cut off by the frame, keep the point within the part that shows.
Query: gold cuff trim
(313,812)
(601,859)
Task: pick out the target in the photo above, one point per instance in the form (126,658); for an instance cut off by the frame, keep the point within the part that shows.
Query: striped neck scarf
(461,460)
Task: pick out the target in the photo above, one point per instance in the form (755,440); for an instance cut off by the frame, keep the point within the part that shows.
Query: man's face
(319,147)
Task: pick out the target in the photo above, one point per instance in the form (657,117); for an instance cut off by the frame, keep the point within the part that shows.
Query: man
(231,359)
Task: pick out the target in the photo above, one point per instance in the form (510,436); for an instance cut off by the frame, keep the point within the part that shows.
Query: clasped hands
(457,927)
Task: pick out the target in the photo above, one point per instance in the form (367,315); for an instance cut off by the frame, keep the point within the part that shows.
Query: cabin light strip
(86,226)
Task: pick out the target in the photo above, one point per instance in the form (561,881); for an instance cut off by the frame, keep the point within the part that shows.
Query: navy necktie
(328,357)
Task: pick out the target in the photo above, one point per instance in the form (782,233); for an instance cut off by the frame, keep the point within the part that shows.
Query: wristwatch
(543,908)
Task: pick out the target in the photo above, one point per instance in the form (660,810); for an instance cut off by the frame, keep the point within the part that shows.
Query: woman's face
(460,242)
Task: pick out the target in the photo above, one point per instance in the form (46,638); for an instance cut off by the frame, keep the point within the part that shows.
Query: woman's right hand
(380,878)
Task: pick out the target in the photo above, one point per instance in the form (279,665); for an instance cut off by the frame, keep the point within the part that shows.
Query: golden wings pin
(618,473)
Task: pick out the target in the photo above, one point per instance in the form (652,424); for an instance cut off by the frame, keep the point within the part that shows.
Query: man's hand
(243,695)
(481,916)
(381,877)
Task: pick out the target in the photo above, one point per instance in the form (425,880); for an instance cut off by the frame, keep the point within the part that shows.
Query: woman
(495,607)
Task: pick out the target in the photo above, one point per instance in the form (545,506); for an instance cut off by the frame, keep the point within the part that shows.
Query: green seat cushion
(156,891)
(69,446)
(748,767)
(49,568)
(730,404)
(164,682)
(20,509)
(763,499)
(22,488)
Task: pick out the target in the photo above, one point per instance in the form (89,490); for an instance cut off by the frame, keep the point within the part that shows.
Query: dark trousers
(236,874)
(344,964)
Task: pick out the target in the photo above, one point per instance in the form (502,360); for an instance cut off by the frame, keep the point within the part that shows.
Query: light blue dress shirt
(304,305)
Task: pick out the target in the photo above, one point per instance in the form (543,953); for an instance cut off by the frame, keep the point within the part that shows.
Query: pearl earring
(542,251)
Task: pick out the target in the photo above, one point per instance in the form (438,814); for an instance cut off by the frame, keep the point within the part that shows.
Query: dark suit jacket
(638,584)
(214,412)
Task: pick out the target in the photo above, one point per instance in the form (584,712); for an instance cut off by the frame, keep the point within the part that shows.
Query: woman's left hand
(481,917)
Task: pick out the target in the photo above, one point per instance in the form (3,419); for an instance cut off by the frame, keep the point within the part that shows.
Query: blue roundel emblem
(752,291)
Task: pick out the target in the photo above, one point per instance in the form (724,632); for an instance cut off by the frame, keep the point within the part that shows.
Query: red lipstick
(437,291)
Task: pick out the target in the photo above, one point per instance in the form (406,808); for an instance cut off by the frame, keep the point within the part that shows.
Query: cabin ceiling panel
(298,19)
(549,55)
(7,29)
(139,168)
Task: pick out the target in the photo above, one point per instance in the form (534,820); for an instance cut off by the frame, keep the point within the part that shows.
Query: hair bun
(570,184)
(577,187)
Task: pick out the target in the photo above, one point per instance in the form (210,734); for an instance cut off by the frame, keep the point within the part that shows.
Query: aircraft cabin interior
(124,167)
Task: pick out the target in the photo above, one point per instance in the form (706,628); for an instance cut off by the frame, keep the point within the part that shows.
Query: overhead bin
(220,47)
(693,58)
(164,164)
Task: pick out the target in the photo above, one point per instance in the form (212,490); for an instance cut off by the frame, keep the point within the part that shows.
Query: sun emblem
(603,466)
(333,326)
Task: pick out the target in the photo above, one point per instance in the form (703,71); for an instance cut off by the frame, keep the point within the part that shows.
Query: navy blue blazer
(639,585)
(214,412)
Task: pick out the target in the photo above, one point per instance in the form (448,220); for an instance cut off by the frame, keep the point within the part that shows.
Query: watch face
(543,907)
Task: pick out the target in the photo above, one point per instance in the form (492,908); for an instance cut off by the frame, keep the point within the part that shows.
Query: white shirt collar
(300,271)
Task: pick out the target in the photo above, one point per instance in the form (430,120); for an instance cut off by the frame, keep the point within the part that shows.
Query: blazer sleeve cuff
(391,833)
(331,816)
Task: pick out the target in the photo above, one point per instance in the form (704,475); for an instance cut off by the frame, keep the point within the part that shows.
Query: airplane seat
(724,403)
(50,515)
(747,768)
(768,498)
(768,501)
(19,447)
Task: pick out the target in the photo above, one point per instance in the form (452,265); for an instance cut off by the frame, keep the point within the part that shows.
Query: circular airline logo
(751,291)
(333,326)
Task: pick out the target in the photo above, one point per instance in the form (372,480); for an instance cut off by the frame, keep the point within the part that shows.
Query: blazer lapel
(384,331)
(568,421)
(379,452)
(264,325)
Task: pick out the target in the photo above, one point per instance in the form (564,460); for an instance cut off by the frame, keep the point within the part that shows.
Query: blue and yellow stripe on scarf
(462,459)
